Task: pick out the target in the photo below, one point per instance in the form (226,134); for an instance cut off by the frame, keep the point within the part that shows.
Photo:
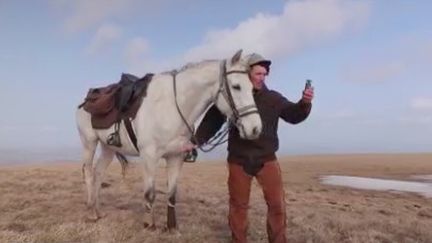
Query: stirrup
(191,156)
(114,139)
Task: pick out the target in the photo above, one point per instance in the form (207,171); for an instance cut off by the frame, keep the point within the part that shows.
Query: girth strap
(130,132)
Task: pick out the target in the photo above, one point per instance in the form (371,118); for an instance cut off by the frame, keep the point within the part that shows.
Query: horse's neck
(196,88)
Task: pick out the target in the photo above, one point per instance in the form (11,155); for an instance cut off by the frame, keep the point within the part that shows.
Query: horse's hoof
(105,185)
(91,219)
(95,216)
(101,215)
(173,231)
(148,226)
(148,221)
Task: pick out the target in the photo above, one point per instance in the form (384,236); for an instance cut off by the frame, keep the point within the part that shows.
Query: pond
(423,187)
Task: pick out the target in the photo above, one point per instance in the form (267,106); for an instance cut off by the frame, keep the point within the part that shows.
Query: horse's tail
(123,162)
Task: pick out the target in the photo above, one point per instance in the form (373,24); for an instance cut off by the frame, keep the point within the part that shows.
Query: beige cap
(255,58)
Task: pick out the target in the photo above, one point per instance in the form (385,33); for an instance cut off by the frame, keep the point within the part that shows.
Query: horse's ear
(236,57)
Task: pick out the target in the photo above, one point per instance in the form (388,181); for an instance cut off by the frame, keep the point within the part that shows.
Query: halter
(225,90)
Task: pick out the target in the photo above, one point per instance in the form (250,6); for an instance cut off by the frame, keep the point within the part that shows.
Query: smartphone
(308,83)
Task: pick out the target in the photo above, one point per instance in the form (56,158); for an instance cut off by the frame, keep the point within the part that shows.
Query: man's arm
(293,112)
(210,125)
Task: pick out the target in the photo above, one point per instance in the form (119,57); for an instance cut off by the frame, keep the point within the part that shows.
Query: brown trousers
(239,185)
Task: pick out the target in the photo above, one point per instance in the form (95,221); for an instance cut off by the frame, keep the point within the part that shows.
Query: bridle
(225,91)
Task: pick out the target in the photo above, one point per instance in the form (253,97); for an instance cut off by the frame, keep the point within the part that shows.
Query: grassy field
(46,203)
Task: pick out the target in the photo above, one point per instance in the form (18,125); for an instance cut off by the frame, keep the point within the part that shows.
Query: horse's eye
(236,87)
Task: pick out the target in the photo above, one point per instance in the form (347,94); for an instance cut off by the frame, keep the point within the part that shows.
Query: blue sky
(370,62)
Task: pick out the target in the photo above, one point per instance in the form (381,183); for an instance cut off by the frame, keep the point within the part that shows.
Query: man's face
(257,76)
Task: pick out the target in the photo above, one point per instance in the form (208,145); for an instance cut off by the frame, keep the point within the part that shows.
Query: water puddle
(427,178)
(423,187)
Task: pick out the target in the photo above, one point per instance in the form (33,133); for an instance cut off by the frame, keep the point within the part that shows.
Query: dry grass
(46,203)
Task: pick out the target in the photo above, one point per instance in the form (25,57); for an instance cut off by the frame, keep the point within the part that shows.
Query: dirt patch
(47,203)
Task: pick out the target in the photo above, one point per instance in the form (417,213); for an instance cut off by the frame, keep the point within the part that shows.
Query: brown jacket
(271,106)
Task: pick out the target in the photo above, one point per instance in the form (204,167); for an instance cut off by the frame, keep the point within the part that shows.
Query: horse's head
(235,98)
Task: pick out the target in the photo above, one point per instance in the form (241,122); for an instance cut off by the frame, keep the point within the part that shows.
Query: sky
(370,63)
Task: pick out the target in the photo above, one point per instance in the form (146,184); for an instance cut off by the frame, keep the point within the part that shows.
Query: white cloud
(22,128)
(348,116)
(421,103)
(104,36)
(136,49)
(403,55)
(302,23)
(424,53)
(420,113)
(84,14)
(342,114)
(417,120)
(80,15)
(373,73)
(137,57)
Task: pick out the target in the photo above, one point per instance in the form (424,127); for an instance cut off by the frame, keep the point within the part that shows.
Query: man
(256,158)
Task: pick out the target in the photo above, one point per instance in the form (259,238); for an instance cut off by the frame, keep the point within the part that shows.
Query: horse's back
(155,122)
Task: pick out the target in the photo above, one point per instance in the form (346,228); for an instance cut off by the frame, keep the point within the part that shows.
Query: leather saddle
(111,104)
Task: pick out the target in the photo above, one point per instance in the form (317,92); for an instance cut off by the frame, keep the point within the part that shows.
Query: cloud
(417,120)
(104,36)
(137,57)
(81,15)
(22,128)
(424,53)
(348,117)
(136,48)
(342,114)
(84,14)
(420,113)
(408,54)
(373,73)
(302,23)
(421,103)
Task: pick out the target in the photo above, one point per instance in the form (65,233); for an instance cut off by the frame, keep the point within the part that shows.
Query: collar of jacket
(260,91)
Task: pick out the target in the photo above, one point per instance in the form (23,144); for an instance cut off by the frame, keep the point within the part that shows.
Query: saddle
(111,104)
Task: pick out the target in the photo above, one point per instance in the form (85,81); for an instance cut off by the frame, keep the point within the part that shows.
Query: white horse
(173,102)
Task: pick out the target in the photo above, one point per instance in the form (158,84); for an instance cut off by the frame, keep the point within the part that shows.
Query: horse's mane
(193,65)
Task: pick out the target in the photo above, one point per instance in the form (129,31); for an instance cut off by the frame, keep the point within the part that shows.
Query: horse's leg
(89,147)
(150,161)
(174,164)
(99,169)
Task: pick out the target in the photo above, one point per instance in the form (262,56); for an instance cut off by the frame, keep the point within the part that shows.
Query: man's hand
(308,95)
